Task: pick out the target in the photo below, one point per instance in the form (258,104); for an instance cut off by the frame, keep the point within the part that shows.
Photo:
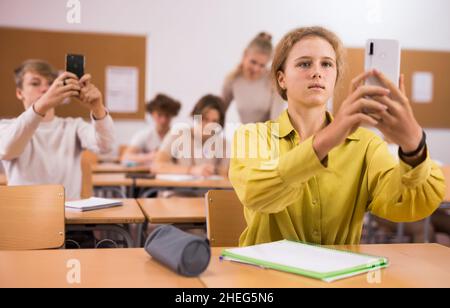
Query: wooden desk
(128,213)
(99,268)
(3,180)
(109,158)
(118,168)
(411,265)
(111,220)
(174,210)
(110,180)
(201,184)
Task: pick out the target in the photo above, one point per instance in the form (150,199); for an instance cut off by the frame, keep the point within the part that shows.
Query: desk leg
(426,229)
(400,232)
(140,235)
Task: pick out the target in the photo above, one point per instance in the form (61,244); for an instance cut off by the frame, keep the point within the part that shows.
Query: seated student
(196,151)
(145,144)
(325,173)
(39,148)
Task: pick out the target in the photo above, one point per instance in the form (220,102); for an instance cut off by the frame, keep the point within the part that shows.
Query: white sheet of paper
(122,88)
(422,87)
(186,177)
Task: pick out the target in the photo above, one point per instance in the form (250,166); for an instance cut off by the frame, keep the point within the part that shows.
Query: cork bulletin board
(100,50)
(435,114)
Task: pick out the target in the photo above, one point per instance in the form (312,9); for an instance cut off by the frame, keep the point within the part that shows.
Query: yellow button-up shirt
(288,193)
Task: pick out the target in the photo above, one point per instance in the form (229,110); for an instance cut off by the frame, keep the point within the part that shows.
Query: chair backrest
(3,179)
(225,220)
(32,217)
(446,170)
(88,159)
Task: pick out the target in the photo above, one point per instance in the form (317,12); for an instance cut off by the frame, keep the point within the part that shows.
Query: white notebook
(305,259)
(92,204)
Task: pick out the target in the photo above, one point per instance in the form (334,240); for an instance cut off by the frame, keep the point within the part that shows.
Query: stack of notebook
(92,204)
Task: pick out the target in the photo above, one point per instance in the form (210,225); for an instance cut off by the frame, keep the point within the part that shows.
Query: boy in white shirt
(39,148)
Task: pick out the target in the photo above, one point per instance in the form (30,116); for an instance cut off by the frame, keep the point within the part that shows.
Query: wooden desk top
(111,179)
(204,184)
(411,265)
(118,168)
(99,268)
(3,180)
(128,213)
(174,210)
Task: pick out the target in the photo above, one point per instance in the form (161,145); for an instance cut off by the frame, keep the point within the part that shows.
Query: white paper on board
(422,87)
(122,87)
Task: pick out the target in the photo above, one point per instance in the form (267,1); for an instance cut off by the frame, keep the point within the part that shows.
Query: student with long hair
(322,174)
(198,149)
(249,86)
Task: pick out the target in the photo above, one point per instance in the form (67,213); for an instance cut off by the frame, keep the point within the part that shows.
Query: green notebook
(305,259)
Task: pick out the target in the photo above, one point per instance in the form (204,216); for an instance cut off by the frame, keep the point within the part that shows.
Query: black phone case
(75,64)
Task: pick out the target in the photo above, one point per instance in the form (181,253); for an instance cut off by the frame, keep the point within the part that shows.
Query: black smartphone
(75,64)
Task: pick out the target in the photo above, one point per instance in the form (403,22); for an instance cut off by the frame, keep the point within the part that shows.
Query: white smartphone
(383,55)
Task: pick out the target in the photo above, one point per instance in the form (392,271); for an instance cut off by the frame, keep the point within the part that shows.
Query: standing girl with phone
(326,172)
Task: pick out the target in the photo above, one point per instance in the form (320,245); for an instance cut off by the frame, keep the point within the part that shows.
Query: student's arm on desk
(399,192)
(163,165)
(16,134)
(266,185)
(134,154)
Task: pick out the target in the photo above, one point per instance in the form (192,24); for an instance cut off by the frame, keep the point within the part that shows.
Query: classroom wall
(193,44)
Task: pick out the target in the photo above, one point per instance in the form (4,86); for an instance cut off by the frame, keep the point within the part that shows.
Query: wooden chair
(225,220)
(88,159)
(32,217)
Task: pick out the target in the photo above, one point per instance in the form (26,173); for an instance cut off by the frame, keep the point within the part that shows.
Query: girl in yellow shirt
(309,177)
